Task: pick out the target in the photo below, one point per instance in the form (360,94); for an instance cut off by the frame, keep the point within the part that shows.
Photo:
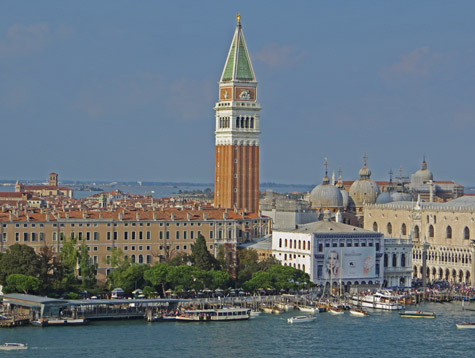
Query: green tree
(88,269)
(22,283)
(68,257)
(48,268)
(248,265)
(157,275)
(128,277)
(259,280)
(201,257)
(18,259)
(219,279)
(116,258)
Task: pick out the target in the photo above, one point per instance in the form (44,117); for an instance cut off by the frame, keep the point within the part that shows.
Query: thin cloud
(276,55)
(180,100)
(418,63)
(21,39)
(25,39)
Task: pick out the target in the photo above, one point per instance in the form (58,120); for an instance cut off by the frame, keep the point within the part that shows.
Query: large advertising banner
(349,262)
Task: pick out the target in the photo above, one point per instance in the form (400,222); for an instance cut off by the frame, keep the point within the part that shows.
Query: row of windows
(126,224)
(394,260)
(448,231)
(444,257)
(295,244)
(305,245)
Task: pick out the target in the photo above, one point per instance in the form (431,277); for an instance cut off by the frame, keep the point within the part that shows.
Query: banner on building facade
(349,262)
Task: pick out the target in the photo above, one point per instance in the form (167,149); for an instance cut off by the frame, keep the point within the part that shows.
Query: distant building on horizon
(236,183)
(52,189)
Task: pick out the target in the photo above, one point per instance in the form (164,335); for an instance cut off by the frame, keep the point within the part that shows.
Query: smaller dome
(346,198)
(326,196)
(364,172)
(384,198)
(422,175)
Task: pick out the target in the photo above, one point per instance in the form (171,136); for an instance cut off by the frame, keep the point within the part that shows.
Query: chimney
(120,216)
(11,216)
(204,216)
(154,216)
(137,216)
(188,216)
(172,217)
(47,217)
(101,216)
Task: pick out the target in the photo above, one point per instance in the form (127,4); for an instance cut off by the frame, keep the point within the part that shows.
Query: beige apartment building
(145,237)
(444,230)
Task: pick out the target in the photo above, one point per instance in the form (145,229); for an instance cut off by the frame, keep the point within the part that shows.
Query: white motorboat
(384,300)
(308,309)
(357,312)
(301,319)
(417,314)
(13,346)
(255,314)
(466,325)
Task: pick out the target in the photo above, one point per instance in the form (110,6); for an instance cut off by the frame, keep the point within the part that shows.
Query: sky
(125,90)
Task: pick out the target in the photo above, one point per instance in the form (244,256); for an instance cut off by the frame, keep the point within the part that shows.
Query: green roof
(238,64)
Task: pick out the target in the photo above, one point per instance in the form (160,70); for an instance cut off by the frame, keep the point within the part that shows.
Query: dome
(397,196)
(389,197)
(423,174)
(346,198)
(384,198)
(364,190)
(326,195)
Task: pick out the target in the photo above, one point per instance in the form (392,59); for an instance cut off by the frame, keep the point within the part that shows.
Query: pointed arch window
(389,228)
(403,230)
(375,226)
(431,231)
(466,233)
(448,232)
(416,232)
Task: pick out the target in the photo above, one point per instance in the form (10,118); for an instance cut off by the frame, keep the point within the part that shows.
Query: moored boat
(301,319)
(308,309)
(225,314)
(255,314)
(466,325)
(357,312)
(336,310)
(417,314)
(385,300)
(13,346)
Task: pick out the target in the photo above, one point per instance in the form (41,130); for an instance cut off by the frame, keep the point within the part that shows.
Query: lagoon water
(383,334)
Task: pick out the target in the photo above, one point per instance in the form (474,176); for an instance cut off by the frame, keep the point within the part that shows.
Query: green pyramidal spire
(238,65)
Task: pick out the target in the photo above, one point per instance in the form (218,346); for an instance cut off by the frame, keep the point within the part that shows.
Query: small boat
(417,314)
(301,319)
(255,314)
(336,310)
(465,325)
(357,312)
(13,346)
(308,309)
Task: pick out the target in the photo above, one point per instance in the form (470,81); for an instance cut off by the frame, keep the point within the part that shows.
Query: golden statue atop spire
(238,18)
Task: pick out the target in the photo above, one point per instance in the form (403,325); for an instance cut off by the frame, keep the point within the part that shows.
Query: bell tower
(236,181)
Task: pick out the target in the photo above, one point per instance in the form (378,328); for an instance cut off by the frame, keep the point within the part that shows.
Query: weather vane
(238,17)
